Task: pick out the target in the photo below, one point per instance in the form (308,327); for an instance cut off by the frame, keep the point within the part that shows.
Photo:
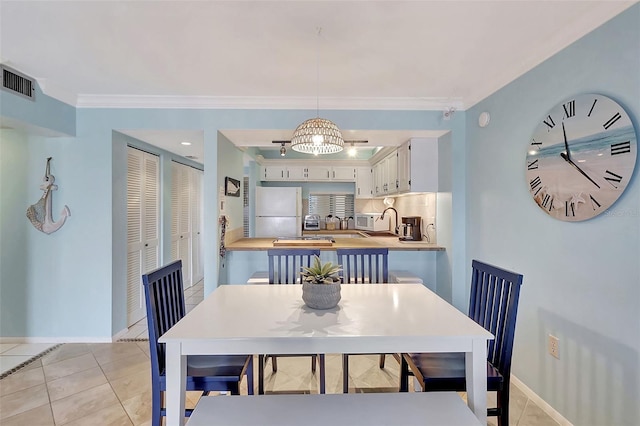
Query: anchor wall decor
(40,213)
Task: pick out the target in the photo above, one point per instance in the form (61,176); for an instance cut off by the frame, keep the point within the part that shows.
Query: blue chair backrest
(494,305)
(164,297)
(366,265)
(285,265)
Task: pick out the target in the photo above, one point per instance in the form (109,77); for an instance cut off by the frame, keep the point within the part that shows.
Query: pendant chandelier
(317,135)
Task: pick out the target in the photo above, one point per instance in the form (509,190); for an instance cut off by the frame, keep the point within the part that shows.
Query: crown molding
(257,102)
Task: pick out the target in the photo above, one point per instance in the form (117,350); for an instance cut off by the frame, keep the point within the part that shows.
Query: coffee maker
(411,228)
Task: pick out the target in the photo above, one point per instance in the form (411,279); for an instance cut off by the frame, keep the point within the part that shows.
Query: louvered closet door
(142,226)
(197,270)
(181,219)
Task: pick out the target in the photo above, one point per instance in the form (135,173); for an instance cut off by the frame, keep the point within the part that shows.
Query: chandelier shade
(317,136)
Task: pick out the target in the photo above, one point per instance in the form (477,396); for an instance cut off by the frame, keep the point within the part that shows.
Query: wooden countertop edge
(261,244)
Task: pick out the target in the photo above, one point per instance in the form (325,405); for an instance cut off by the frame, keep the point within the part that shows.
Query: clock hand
(566,144)
(568,160)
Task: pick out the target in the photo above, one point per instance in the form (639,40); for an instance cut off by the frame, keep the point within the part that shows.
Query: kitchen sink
(380,234)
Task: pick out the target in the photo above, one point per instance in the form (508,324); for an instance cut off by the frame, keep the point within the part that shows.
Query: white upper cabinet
(364,182)
(311,171)
(273,172)
(385,175)
(319,173)
(343,173)
(296,173)
(418,169)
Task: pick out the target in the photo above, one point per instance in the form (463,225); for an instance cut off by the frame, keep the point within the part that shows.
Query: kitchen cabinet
(418,165)
(296,173)
(304,172)
(343,173)
(364,182)
(385,175)
(318,173)
(404,168)
(283,172)
(273,172)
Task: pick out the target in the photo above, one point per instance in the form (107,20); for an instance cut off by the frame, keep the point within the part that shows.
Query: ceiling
(426,55)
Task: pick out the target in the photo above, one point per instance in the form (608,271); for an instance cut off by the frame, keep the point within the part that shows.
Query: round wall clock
(581,157)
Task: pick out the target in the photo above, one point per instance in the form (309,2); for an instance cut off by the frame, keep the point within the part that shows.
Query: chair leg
(404,375)
(313,363)
(156,407)
(382,359)
(322,374)
(345,373)
(503,406)
(261,374)
(250,377)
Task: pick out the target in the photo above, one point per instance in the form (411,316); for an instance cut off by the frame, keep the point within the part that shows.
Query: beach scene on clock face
(581,157)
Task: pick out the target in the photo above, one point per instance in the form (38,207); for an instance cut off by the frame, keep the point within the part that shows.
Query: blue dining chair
(494,305)
(362,266)
(164,297)
(285,266)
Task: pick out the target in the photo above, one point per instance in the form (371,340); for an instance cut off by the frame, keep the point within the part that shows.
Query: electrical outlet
(554,346)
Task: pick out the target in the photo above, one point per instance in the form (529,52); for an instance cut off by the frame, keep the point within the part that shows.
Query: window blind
(340,205)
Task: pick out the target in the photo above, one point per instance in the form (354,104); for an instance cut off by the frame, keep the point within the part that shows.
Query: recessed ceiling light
(185,143)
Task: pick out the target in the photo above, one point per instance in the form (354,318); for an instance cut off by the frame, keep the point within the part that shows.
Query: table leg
(176,371)
(476,374)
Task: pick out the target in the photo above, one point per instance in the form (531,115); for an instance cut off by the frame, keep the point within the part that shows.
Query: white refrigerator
(278,212)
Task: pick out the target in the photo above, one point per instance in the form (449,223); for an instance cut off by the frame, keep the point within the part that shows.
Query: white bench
(420,408)
(259,277)
(401,277)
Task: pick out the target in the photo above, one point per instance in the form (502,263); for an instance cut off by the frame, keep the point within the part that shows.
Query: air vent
(17,83)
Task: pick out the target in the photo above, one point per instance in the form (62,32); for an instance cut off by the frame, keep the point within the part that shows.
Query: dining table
(370,318)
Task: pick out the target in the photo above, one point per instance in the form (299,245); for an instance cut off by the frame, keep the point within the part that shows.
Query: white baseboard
(544,406)
(23,340)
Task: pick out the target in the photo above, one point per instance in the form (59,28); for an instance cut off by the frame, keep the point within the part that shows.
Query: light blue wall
(45,116)
(230,165)
(581,280)
(14,152)
(83,264)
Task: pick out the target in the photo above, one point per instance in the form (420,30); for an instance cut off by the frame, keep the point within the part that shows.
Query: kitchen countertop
(391,242)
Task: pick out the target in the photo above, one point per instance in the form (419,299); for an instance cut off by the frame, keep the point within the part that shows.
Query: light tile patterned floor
(109,383)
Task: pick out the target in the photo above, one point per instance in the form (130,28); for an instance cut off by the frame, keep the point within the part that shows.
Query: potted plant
(321,284)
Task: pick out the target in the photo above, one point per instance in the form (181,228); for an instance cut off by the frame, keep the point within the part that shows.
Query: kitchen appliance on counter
(411,228)
(312,222)
(278,212)
(371,222)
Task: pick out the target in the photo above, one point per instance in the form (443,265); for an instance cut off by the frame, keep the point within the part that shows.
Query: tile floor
(109,383)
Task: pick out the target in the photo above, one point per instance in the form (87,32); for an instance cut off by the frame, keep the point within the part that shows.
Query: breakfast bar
(246,256)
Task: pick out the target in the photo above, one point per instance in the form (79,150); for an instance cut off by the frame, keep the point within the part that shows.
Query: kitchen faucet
(397,228)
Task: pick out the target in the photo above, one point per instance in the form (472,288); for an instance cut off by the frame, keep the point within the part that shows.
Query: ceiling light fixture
(317,135)
(185,143)
(352,151)
(283,150)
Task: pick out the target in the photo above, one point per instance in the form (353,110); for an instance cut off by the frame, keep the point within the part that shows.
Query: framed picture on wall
(231,187)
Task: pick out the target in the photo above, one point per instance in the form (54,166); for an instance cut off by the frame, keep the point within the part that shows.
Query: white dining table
(370,318)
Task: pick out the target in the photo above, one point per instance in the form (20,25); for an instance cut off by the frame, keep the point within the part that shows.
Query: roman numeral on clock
(569,209)
(620,148)
(549,122)
(533,142)
(533,165)
(536,183)
(594,202)
(612,177)
(592,106)
(569,109)
(547,202)
(612,120)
